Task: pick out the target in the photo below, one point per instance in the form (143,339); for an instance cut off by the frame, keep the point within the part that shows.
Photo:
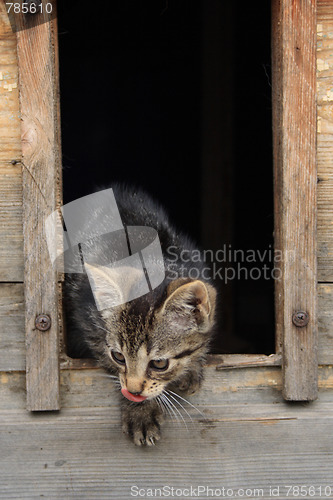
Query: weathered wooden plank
(226,362)
(295,181)
(12,337)
(11,233)
(47,450)
(325,142)
(325,323)
(11,239)
(12,345)
(10,144)
(49,458)
(41,170)
(89,388)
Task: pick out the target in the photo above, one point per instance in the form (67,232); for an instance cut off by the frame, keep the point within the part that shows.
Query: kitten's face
(146,373)
(153,349)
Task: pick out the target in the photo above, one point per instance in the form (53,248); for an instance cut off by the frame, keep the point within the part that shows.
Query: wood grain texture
(249,438)
(295,181)
(11,236)
(10,144)
(11,229)
(41,166)
(325,323)
(227,362)
(12,336)
(325,141)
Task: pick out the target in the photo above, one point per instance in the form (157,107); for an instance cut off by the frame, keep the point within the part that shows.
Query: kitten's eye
(118,357)
(159,364)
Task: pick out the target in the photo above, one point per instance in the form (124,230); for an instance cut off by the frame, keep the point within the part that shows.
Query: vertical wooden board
(295,178)
(41,166)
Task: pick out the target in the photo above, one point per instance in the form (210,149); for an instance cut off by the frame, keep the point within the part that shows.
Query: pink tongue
(132,397)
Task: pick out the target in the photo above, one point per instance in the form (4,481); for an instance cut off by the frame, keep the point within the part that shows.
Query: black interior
(131,110)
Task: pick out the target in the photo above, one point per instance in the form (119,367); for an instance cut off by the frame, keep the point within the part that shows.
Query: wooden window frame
(294,37)
(37,43)
(295,181)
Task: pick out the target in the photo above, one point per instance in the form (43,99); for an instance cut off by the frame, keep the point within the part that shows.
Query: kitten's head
(151,343)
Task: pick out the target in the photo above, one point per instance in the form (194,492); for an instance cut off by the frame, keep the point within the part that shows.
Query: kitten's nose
(134,385)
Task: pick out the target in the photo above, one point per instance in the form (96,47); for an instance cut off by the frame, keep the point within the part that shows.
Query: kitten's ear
(104,286)
(111,286)
(191,305)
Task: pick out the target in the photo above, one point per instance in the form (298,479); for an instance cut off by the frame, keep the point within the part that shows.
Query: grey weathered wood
(12,335)
(57,469)
(38,77)
(250,439)
(86,457)
(89,388)
(12,338)
(227,362)
(325,323)
(295,181)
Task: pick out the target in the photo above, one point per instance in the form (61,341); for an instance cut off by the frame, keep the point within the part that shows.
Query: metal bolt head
(43,322)
(300,318)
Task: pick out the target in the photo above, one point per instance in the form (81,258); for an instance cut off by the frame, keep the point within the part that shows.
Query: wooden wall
(12,343)
(11,239)
(325,141)
(325,178)
(249,437)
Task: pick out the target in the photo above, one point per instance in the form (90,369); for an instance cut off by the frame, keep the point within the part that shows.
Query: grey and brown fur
(174,322)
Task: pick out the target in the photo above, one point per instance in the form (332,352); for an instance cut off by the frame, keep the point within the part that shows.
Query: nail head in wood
(300,318)
(43,322)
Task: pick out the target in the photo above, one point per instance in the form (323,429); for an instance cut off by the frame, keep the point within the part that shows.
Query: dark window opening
(175,97)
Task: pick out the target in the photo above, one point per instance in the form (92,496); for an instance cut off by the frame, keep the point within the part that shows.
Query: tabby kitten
(153,342)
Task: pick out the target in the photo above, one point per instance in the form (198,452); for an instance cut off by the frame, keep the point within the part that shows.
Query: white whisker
(165,406)
(169,408)
(179,403)
(159,402)
(176,409)
(112,377)
(188,402)
(99,326)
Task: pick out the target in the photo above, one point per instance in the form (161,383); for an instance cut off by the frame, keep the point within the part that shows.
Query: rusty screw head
(300,318)
(43,322)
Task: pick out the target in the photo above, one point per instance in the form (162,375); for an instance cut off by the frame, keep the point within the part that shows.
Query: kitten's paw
(143,427)
(190,383)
